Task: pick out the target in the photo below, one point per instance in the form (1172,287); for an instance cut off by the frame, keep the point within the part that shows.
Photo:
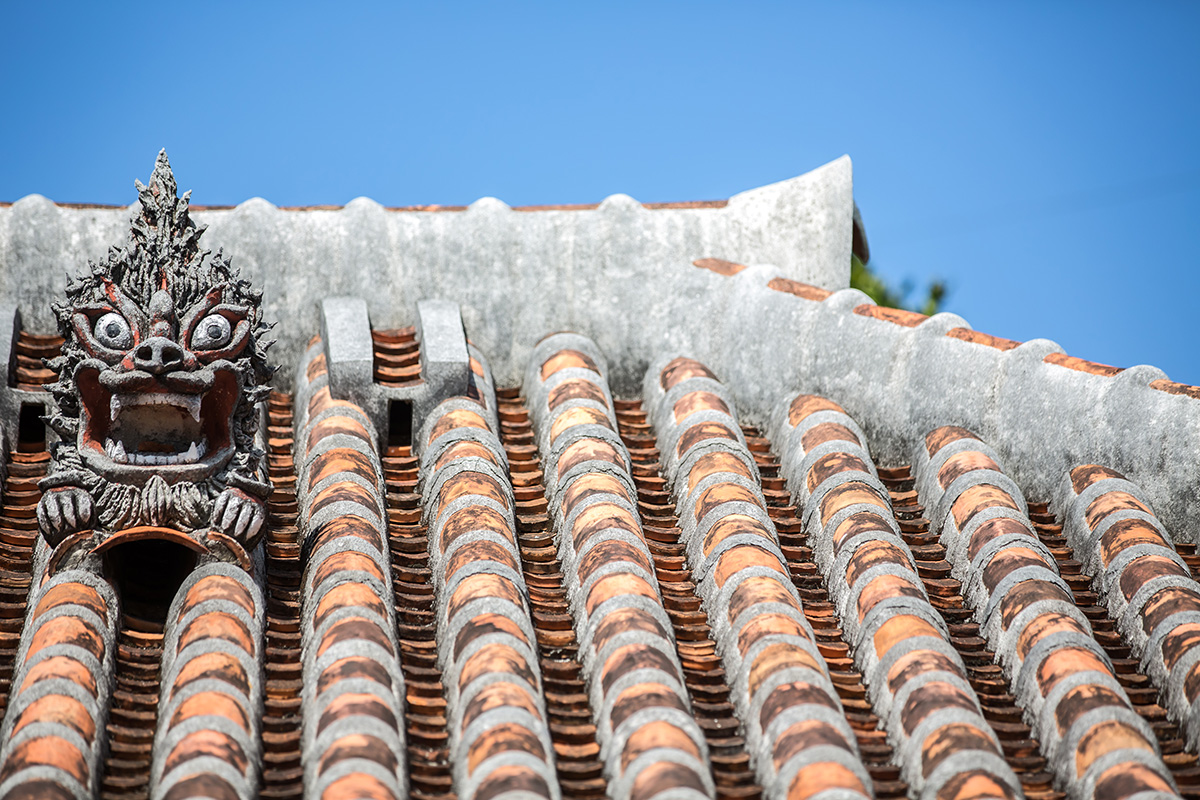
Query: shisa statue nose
(157,355)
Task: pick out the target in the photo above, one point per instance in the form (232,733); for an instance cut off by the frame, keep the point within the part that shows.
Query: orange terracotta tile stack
(499,736)
(18,537)
(649,738)
(29,372)
(1092,737)
(53,735)
(917,682)
(208,739)
(1148,588)
(798,736)
(353,691)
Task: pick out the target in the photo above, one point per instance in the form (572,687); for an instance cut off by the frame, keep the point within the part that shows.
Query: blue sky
(1040,157)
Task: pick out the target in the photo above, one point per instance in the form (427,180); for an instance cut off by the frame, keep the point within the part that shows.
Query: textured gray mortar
(901,383)
(621,274)
(561,269)
(350,358)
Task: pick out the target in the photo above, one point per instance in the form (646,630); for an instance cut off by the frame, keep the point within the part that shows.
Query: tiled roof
(740,534)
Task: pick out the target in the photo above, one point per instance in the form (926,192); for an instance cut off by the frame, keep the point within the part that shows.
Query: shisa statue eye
(212,333)
(112,330)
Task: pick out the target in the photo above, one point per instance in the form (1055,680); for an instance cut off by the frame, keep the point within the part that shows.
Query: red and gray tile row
(917,682)
(18,537)
(353,742)
(500,743)
(53,734)
(650,740)
(1098,745)
(208,739)
(796,731)
(1148,588)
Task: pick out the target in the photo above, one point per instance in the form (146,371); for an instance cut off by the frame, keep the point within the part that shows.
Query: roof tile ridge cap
(620,201)
(249,205)
(846,300)
(488,204)
(364,203)
(38,201)
(1052,354)
(857,302)
(780,187)
(1034,350)
(663,205)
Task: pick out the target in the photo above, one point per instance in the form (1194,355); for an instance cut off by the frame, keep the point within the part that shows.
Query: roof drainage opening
(147,574)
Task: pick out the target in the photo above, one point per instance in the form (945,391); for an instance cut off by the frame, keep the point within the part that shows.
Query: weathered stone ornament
(158,392)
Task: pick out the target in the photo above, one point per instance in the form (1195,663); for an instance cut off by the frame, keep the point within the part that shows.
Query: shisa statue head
(160,381)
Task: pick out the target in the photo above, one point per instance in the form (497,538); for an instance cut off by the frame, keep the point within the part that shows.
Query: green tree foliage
(867,281)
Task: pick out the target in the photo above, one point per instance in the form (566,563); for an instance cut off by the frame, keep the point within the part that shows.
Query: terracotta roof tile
(68,640)
(897,316)
(878,569)
(557,591)
(1056,666)
(731,553)
(488,609)
(1171,387)
(1110,525)
(807,291)
(1081,365)
(343,614)
(608,561)
(719,266)
(968,335)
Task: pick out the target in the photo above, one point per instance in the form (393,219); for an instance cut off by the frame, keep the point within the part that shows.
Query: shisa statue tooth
(193,406)
(192,454)
(114,407)
(119,454)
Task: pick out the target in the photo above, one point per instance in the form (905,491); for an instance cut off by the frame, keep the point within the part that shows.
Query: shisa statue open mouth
(158,388)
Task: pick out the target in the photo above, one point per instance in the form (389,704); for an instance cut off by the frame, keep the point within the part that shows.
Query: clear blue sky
(1042,158)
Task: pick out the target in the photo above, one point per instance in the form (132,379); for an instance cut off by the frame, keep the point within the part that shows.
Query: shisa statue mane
(159,385)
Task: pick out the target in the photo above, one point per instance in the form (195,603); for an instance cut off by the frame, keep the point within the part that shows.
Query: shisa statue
(159,385)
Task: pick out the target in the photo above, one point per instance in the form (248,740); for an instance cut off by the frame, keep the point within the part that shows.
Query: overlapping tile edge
(916,679)
(499,734)
(1098,744)
(53,733)
(1148,589)
(353,738)
(649,738)
(208,739)
(800,742)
